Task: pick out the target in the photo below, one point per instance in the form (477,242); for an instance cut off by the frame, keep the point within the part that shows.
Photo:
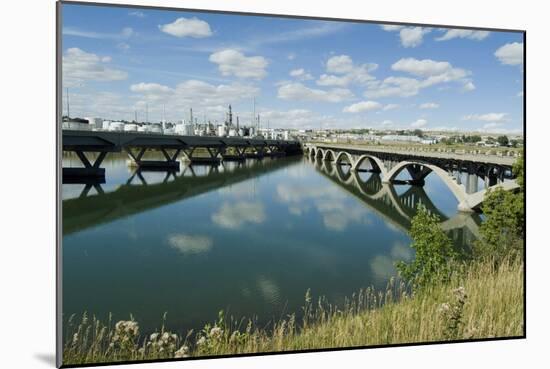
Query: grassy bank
(482,302)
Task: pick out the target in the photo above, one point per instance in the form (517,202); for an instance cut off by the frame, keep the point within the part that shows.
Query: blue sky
(303,73)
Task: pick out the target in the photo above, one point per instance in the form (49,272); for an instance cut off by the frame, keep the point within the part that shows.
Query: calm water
(249,239)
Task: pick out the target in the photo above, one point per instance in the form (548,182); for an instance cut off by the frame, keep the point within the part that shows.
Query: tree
(418,132)
(435,255)
(502,140)
(503,230)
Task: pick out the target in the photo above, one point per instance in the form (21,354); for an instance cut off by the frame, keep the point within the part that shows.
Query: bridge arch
(329,155)
(344,154)
(375,162)
(458,191)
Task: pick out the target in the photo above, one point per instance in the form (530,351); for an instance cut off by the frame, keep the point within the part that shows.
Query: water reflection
(249,238)
(399,203)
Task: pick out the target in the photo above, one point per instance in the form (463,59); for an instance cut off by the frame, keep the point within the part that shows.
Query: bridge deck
(488,159)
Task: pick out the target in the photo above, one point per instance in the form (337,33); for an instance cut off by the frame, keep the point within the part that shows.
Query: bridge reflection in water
(399,209)
(137,195)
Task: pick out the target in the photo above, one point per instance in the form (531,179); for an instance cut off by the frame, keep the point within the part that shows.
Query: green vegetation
(435,256)
(441,297)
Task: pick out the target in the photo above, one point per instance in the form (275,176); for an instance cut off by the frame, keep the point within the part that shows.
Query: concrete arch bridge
(390,165)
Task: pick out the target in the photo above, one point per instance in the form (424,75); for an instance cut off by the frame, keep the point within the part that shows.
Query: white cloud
(187,27)
(391,27)
(469,86)
(300,74)
(429,105)
(190,244)
(205,98)
(232,62)
(419,123)
(489,117)
(394,86)
(425,67)
(390,107)
(234,216)
(297,91)
(339,64)
(362,106)
(492,125)
(463,33)
(152,89)
(291,56)
(433,73)
(123,34)
(412,36)
(80,66)
(347,72)
(510,54)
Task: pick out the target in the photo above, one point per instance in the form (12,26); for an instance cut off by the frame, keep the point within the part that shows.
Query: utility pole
(146,112)
(254,114)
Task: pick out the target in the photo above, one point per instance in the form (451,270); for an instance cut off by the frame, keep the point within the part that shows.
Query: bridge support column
(170,163)
(237,155)
(256,153)
(212,158)
(89,170)
(418,173)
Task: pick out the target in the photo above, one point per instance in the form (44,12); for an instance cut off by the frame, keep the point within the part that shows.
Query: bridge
(396,209)
(390,163)
(196,149)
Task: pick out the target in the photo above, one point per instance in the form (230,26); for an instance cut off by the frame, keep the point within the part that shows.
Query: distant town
(231,127)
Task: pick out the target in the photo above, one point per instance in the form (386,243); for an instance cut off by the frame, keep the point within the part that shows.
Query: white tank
(116,126)
(106,124)
(142,129)
(130,127)
(156,129)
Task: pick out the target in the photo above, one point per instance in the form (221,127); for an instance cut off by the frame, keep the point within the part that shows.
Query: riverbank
(483,302)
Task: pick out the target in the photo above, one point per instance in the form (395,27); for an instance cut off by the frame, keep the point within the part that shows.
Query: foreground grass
(483,302)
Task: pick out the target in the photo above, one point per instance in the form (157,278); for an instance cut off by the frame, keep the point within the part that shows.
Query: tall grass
(483,302)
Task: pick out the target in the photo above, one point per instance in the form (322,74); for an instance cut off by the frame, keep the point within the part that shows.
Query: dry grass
(483,302)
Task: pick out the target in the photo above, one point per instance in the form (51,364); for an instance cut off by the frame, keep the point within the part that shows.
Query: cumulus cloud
(429,105)
(469,86)
(390,107)
(510,54)
(80,66)
(409,36)
(419,123)
(427,72)
(190,244)
(362,106)
(344,71)
(232,62)
(300,74)
(463,33)
(234,216)
(187,27)
(391,27)
(205,98)
(412,36)
(489,117)
(297,91)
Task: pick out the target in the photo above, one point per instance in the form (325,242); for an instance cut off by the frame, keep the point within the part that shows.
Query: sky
(120,62)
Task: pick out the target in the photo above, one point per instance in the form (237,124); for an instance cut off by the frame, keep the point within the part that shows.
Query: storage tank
(106,124)
(116,126)
(130,127)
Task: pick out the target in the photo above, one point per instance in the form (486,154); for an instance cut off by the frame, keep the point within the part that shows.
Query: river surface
(249,239)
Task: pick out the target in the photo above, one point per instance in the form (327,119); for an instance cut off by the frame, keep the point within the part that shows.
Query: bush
(435,255)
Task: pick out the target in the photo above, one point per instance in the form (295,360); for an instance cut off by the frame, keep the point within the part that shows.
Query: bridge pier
(257,152)
(170,163)
(89,169)
(237,155)
(212,158)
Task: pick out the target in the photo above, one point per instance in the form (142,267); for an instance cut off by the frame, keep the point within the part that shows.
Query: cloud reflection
(234,216)
(190,244)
